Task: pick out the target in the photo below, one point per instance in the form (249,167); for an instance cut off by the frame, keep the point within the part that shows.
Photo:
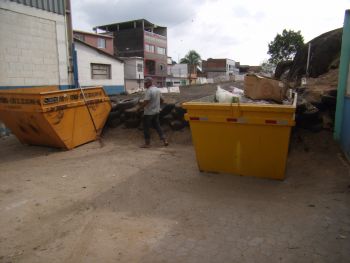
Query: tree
(192,59)
(267,68)
(285,46)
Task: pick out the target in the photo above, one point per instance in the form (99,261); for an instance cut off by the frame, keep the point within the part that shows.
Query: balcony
(154,35)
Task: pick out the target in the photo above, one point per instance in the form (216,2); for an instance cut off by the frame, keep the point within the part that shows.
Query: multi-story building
(219,69)
(35,44)
(141,38)
(100,41)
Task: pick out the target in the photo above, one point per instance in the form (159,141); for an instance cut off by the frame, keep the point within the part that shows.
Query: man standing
(151,105)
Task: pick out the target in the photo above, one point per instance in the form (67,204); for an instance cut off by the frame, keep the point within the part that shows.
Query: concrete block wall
(87,55)
(133,86)
(222,75)
(130,68)
(33,47)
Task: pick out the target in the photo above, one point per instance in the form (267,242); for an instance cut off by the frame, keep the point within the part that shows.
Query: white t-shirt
(153,95)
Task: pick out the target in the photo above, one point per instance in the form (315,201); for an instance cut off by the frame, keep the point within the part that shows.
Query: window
(101,43)
(161,50)
(149,48)
(150,67)
(139,67)
(100,71)
(80,37)
(161,67)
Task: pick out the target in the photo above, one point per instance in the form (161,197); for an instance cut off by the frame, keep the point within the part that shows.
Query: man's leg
(156,125)
(147,122)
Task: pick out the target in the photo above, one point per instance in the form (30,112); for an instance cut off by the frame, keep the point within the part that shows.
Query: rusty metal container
(51,117)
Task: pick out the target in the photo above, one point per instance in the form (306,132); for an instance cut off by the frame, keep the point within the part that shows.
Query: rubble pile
(128,113)
(317,102)
(317,95)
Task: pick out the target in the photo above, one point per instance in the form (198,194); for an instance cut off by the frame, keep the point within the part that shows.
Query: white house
(218,70)
(177,75)
(34,44)
(99,68)
(133,69)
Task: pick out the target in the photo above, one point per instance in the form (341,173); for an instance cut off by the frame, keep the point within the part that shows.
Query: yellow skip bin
(51,117)
(241,138)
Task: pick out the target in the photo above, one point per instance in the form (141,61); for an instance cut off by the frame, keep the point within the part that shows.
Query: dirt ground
(188,93)
(114,202)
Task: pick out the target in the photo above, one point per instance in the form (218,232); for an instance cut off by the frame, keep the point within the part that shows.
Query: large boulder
(282,67)
(325,53)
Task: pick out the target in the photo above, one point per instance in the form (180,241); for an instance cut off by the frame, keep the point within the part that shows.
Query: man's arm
(146,100)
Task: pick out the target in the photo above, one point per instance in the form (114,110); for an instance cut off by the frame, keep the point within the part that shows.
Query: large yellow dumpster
(51,117)
(242,139)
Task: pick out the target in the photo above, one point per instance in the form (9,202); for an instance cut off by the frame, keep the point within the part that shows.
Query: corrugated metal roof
(53,6)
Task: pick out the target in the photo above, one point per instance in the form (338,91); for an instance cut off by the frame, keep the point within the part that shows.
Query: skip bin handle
(88,108)
(238,109)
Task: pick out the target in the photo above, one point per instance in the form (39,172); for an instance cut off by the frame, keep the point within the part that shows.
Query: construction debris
(317,102)
(317,87)
(129,113)
(261,88)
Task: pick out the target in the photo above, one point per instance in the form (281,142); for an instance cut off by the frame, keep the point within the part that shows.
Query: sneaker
(145,146)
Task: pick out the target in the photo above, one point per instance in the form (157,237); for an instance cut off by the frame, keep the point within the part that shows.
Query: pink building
(100,41)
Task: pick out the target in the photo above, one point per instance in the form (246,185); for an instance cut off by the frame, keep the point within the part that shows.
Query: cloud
(241,12)
(217,28)
(165,13)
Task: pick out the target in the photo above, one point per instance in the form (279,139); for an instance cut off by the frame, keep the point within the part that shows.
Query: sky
(238,30)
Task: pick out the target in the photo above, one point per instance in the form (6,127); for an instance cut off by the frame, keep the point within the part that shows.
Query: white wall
(239,77)
(212,75)
(33,46)
(178,70)
(231,63)
(86,56)
(133,86)
(130,68)
(219,76)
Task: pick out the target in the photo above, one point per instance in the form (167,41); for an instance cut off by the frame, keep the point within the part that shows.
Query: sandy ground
(118,203)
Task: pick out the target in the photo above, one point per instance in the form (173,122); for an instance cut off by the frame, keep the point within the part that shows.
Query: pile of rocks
(317,102)
(317,97)
(127,112)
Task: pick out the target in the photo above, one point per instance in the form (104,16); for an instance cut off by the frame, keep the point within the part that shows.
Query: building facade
(133,74)
(35,44)
(141,38)
(103,42)
(177,75)
(219,69)
(98,68)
